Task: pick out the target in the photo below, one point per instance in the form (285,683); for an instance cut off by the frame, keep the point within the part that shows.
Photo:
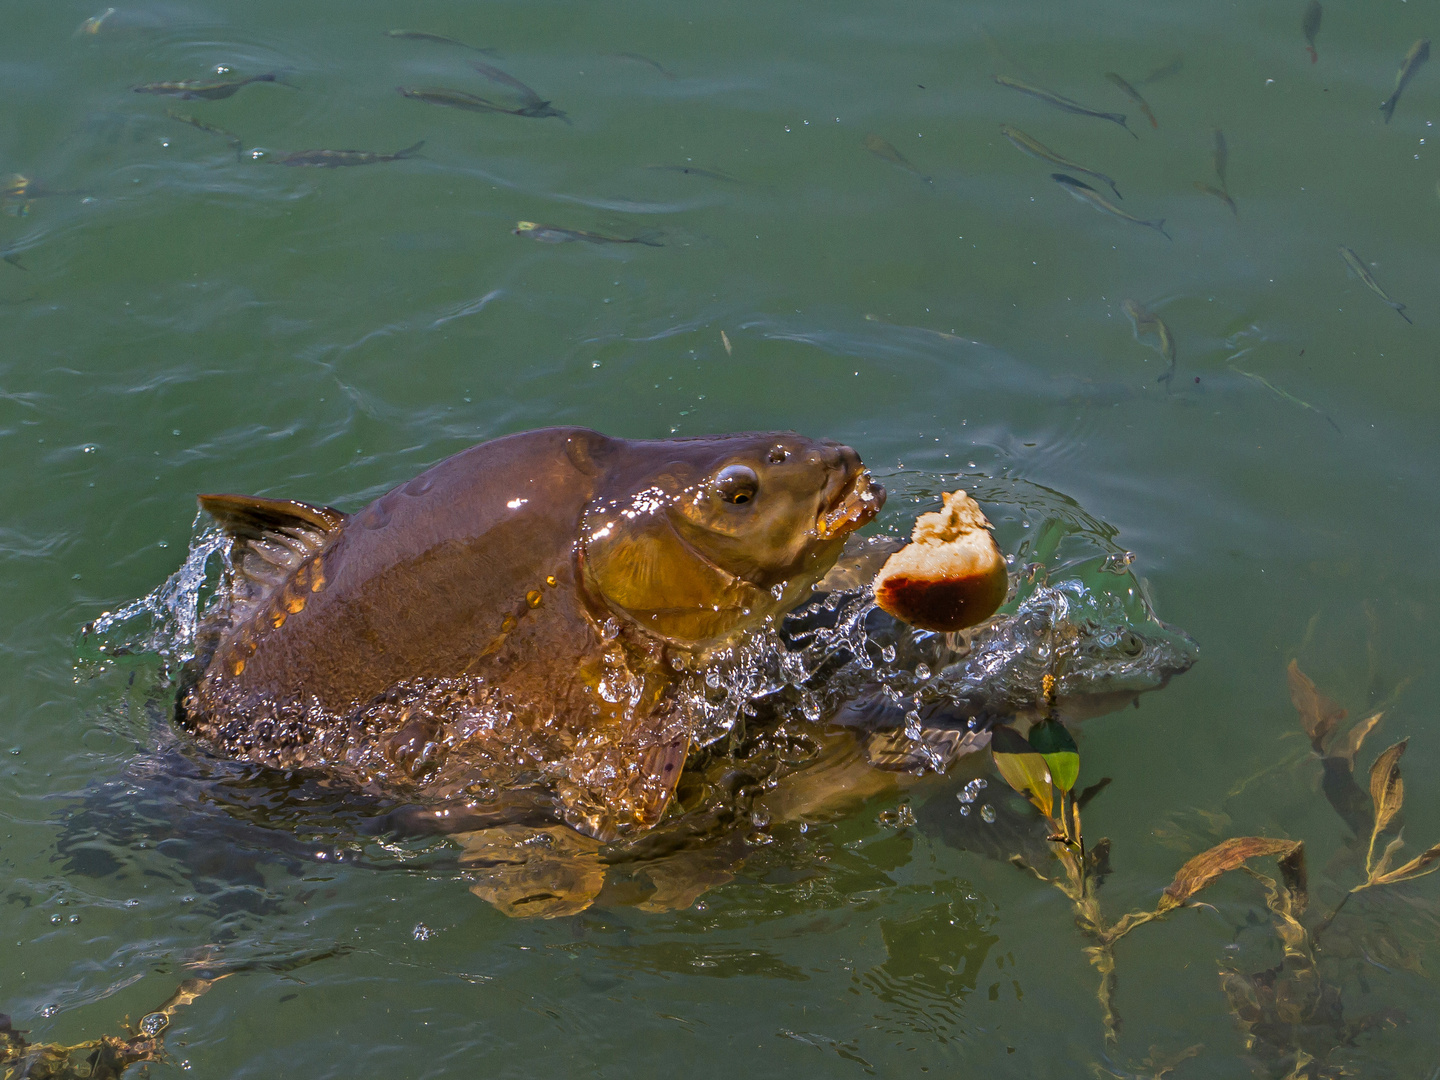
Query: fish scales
(518,610)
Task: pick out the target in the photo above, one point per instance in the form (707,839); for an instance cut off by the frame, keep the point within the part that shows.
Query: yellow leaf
(1209,865)
(1348,745)
(1416,867)
(1318,714)
(1387,790)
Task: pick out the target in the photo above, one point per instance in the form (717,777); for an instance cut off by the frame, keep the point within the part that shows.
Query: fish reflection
(1063,103)
(1361,271)
(332,159)
(207,90)
(1418,54)
(554,234)
(1086,194)
(886,152)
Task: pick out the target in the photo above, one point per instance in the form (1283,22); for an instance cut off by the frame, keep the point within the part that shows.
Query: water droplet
(987,813)
(887,653)
(423,932)
(49,1011)
(55,919)
(132,903)
(74,919)
(964,810)
(922,671)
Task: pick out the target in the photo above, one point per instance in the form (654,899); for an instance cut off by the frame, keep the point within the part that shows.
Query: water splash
(166,622)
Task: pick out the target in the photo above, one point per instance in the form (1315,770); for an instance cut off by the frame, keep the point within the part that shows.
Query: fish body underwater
(517,617)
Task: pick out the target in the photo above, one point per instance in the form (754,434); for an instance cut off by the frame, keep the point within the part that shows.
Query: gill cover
(644,570)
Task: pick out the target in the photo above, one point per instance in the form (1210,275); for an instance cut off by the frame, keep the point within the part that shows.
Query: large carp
(508,628)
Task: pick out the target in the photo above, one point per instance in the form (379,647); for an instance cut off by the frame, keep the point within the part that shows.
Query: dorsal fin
(272,537)
(247,517)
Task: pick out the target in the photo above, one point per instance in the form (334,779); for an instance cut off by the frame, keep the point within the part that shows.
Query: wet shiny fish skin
(1063,103)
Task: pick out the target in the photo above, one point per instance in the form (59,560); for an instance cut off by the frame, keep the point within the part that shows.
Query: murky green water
(185,321)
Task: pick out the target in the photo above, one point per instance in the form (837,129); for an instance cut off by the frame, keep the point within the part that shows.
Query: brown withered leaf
(1318,714)
(1416,867)
(1387,790)
(1348,745)
(1209,865)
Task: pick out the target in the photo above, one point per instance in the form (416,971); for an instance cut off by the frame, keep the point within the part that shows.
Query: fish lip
(856,505)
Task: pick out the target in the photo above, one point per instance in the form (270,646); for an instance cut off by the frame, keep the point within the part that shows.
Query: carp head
(721,532)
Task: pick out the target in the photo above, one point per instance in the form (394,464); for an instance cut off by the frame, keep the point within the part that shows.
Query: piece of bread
(950,576)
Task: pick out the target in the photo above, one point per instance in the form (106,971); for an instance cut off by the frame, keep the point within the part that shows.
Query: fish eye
(778,454)
(737,484)
(1131,645)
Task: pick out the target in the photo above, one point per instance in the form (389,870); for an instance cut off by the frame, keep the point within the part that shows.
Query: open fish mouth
(855,506)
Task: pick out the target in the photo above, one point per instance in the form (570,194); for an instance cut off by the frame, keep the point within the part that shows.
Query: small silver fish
(554,234)
(1222,158)
(638,59)
(1223,196)
(1418,54)
(1034,148)
(1363,273)
(1147,322)
(1310,26)
(1086,194)
(439,39)
(1134,95)
(1064,103)
(208,90)
(1165,70)
(201,125)
(333,159)
(886,152)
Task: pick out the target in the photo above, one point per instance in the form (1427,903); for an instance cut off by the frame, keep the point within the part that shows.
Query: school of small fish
(506,95)
(1146,322)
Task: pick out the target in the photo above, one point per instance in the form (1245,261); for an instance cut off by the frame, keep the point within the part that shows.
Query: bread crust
(951,575)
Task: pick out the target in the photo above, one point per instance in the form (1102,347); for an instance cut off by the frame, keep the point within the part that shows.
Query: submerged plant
(1292,1017)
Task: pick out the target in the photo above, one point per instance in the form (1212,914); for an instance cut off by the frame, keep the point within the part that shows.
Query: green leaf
(1052,741)
(1023,769)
